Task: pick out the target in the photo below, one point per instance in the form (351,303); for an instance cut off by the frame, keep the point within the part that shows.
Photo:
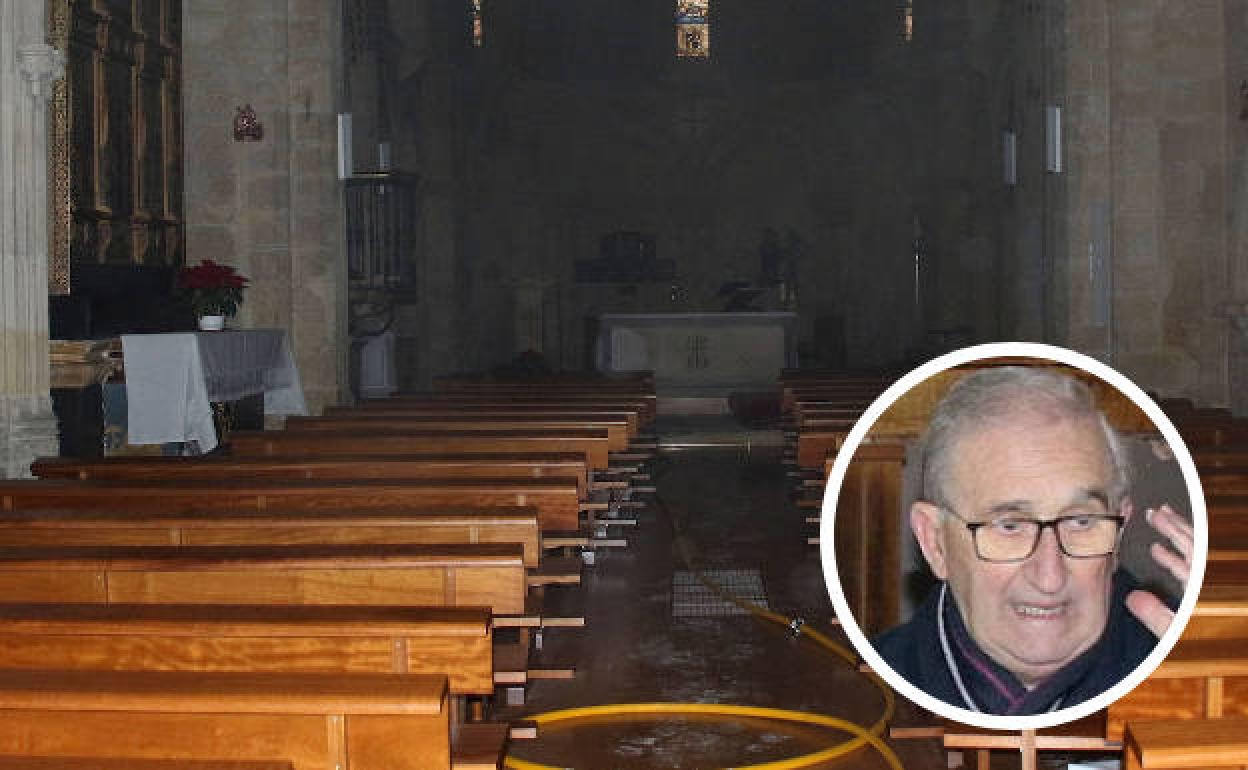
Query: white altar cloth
(171,380)
(699,353)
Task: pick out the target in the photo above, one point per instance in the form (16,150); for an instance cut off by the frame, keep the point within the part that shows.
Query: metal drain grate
(691,599)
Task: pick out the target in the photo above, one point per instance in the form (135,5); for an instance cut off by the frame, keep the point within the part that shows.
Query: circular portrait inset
(1013,535)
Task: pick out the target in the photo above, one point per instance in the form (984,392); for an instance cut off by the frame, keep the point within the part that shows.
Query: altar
(706,356)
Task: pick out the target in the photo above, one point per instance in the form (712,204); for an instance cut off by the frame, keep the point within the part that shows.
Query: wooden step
(535,617)
(617,522)
(608,542)
(594,486)
(523,730)
(512,666)
(586,540)
(556,570)
(630,457)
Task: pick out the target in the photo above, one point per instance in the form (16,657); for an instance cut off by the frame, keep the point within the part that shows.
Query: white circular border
(827,530)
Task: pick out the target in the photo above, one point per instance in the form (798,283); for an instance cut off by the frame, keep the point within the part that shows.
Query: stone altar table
(700,356)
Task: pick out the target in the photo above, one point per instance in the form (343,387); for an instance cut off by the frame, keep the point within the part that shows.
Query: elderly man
(1024,500)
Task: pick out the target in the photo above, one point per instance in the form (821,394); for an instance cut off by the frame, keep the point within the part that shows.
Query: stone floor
(725,506)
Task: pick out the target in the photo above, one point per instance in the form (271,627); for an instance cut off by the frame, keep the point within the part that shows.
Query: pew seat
(1173,744)
(616,429)
(454,641)
(591,444)
(311,720)
(556,500)
(1200,678)
(428,465)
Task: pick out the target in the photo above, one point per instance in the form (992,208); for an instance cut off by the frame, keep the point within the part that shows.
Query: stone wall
(1151,114)
(836,136)
(272,208)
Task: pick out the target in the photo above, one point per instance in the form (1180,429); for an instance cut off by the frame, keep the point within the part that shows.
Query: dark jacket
(914,651)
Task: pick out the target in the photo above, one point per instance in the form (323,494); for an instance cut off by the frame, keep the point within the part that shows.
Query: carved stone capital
(41,65)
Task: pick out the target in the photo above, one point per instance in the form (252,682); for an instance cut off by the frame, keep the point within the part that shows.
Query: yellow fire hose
(863,736)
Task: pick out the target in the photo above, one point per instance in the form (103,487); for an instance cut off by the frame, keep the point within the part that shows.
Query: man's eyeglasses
(1014,538)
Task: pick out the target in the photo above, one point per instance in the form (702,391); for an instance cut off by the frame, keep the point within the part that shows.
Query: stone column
(28,66)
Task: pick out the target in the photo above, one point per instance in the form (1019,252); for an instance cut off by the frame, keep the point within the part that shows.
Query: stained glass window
(693,29)
(474,11)
(907,20)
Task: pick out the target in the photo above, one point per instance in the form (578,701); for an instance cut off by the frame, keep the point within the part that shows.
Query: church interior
(544,323)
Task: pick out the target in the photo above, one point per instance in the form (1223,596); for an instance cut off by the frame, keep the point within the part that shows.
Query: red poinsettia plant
(212,288)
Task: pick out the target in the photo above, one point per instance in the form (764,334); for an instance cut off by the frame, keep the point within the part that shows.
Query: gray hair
(998,393)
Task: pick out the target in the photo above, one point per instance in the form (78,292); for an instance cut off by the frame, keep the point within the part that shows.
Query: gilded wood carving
(115,146)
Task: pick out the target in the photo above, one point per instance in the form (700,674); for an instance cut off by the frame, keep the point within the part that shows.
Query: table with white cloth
(172,380)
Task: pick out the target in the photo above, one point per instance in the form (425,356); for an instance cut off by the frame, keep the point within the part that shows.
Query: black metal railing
(382,218)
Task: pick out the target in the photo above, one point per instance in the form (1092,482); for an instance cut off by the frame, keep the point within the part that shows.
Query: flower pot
(211,323)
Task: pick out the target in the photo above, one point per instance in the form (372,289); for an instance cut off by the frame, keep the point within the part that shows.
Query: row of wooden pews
(302,598)
(818,409)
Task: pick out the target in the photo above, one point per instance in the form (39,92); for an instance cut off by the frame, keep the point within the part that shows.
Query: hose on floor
(862,735)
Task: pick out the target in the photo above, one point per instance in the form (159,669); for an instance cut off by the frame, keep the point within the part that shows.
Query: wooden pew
(645,405)
(868,542)
(591,444)
(486,575)
(454,641)
(815,445)
(410,526)
(556,500)
(1206,674)
(312,720)
(1173,744)
(1212,431)
(326,467)
(446,408)
(129,763)
(492,576)
(1084,735)
(616,429)
(457,642)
